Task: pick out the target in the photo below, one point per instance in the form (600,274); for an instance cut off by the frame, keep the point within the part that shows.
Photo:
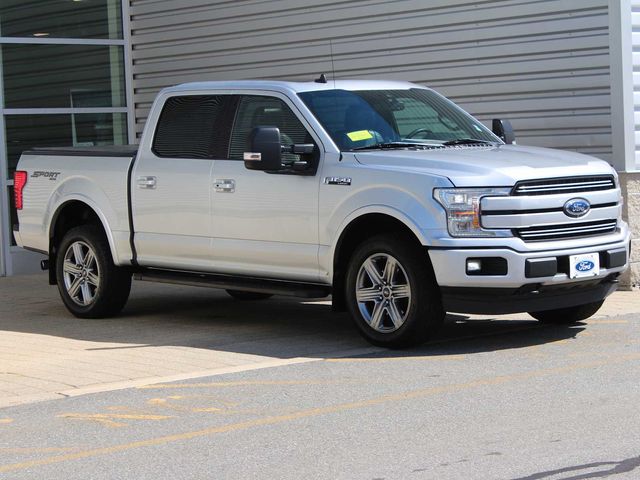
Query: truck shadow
(162,315)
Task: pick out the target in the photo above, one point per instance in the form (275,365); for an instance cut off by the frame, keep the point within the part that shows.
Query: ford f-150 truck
(385,195)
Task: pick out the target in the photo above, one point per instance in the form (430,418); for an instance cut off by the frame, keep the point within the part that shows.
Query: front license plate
(585,265)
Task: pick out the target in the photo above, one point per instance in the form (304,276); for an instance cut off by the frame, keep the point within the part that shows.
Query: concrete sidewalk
(171,333)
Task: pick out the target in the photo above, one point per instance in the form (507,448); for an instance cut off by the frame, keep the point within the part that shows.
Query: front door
(265,224)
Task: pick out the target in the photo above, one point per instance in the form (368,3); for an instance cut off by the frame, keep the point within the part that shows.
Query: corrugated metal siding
(635,19)
(542,64)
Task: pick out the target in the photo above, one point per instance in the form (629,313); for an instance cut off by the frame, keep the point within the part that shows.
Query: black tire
(420,314)
(113,283)
(569,315)
(243,295)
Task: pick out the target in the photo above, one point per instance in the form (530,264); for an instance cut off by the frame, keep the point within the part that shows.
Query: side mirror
(504,130)
(266,152)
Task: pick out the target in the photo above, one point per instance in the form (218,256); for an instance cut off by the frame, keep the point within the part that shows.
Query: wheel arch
(357,229)
(70,213)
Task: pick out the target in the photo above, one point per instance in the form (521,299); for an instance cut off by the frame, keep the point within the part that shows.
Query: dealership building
(85,72)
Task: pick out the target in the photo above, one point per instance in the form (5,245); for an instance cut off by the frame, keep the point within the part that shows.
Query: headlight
(463,210)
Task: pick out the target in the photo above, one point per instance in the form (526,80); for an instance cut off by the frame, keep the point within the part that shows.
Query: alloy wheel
(383,293)
(81,273)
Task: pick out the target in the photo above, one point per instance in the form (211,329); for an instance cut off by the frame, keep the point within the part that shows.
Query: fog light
(474,265)
(489,266)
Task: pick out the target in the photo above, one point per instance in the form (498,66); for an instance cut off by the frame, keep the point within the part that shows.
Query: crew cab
(385,195)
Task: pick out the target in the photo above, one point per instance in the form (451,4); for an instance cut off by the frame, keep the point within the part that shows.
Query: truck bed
(96,175)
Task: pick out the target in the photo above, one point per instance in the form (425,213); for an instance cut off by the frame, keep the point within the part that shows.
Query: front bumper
(529,298)
(534,280)
(450,263)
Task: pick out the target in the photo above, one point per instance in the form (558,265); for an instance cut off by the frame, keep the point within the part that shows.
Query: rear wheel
(392,294)
(243,295)
(567,315)
(90,285)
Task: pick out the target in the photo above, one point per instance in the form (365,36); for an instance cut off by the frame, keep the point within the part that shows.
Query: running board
(247,284)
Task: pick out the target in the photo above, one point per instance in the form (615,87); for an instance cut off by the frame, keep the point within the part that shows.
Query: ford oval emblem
(585,266)
(577,207)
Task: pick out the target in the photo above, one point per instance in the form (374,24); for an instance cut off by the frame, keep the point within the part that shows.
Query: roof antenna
(333,68)
(321,79)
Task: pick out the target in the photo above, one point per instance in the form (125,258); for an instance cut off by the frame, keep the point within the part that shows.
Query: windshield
(394,119)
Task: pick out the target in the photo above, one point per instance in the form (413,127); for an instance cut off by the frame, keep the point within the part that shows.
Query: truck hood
(497,166)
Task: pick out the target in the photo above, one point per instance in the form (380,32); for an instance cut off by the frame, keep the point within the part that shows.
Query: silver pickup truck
(385,195)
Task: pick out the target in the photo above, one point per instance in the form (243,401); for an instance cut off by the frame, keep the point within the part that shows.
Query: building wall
(544,65)
(630,183)
(635,45)
(632,180)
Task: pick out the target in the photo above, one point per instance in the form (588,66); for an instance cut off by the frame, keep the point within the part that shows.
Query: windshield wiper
(467,141)
(390,145)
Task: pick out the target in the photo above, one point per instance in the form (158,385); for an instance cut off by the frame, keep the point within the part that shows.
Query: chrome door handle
(226,185)
(146,182)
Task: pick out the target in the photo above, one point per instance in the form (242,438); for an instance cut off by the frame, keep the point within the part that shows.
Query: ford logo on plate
(585,266)
(577,207)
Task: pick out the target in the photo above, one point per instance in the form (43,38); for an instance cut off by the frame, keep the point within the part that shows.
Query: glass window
(63,76)
(258,111)
(27,131)
(61,18)
(356,119)
(416,118)
(194,126)
(342,112)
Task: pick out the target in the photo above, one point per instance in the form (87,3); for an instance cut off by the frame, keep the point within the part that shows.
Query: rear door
(171,191)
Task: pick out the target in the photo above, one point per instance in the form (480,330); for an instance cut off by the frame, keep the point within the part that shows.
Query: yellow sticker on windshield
(359,135)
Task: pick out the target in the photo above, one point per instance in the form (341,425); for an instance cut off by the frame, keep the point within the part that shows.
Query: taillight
(19,181)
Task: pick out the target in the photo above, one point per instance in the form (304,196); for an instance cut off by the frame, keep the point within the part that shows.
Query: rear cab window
(195,126)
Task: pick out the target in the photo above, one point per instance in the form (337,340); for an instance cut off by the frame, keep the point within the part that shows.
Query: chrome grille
(569,230)
(570,185)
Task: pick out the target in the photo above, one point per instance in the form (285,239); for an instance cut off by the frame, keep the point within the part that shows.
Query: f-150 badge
(337,180)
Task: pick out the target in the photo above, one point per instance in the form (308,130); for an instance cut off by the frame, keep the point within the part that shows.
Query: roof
(294,87)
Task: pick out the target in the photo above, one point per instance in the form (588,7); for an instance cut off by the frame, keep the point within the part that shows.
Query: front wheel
(569,315)
(392,294)
(90,285)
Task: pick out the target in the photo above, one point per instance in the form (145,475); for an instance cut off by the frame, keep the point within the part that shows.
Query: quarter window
(194,126)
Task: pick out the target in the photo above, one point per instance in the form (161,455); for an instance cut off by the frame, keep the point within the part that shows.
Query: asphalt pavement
(490,398)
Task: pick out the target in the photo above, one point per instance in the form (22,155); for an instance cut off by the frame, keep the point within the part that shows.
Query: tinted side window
(194,126)
(257,111)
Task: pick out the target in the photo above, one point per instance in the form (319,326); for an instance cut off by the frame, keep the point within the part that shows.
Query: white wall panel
(542,64)
(635,19)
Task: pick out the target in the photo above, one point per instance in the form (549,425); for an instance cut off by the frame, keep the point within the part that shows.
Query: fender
(100,204)
(327,255)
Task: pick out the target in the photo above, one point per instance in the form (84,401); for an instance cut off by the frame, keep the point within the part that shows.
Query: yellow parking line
(6,420)
(313,412)
(109,419)
(124,416)
(25,450)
